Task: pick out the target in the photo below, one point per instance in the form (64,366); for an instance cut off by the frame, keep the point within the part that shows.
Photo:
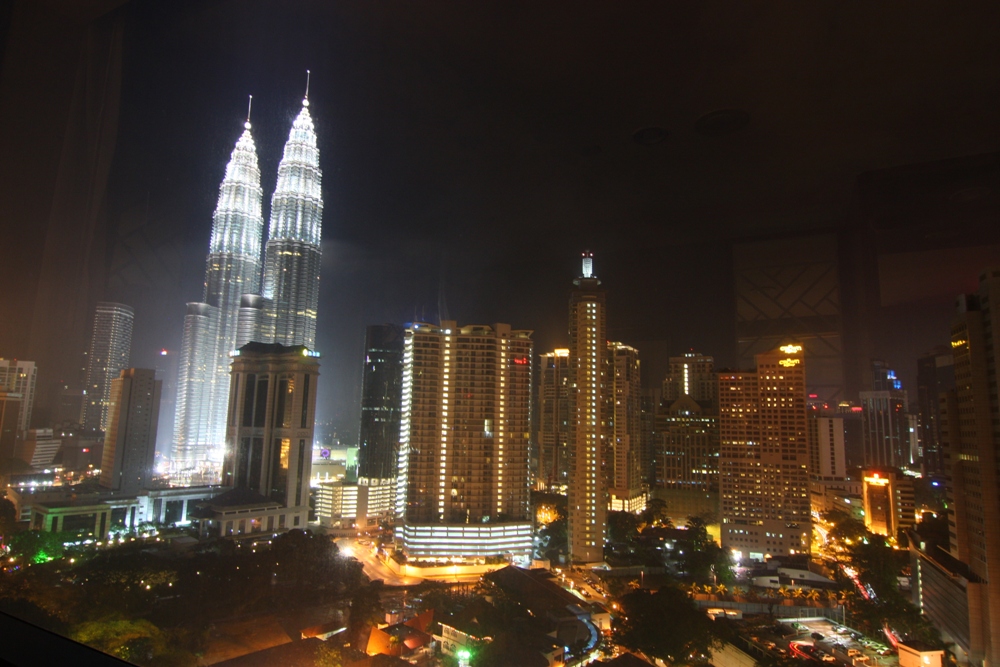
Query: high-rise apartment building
(970,440)
(590,372)
(272,414)
(109,354)
(462,489)
(935,376)
(827,452)
(18,377)
(889,434)
(130,442)
(210,326)
(556,413)
(381,396)
(764,456)
(627,486)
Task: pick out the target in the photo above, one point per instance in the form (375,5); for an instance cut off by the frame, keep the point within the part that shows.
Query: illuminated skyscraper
(110,349)
(593,411)
(888,430)
(462,489)
(623,465)
(293,256)
(692,374)
(764,456)
(210,327)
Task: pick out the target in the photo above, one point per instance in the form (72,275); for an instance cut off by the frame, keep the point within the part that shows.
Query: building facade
(590,375)
(827,450)
(888,431)
(969,441)
(687,456)
(270,427)
(888,502)
(692,374)
(935,376)
(627,486)
(555,421)
(381,394)
(109,354)
(127,464)
(18,377)
(462,488)
(764,456)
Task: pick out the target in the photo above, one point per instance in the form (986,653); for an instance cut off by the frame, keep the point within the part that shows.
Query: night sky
(471,151)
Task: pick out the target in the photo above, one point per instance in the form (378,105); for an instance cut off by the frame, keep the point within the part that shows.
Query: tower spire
(305,100)
(249,106)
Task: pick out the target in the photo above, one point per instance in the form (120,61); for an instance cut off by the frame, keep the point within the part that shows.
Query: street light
(463,656)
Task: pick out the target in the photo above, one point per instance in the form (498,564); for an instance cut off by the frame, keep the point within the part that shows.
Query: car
(853,652)
(828,658)
(817,636)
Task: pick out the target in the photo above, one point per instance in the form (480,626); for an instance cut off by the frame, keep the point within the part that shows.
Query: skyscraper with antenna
(233,268)
(285,309)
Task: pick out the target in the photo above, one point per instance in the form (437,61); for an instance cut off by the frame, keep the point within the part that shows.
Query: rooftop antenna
(249,106)
(305,101)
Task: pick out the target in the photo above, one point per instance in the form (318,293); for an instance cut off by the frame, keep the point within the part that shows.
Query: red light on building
(85,450)
(857,408)
(522,361)
(813,395)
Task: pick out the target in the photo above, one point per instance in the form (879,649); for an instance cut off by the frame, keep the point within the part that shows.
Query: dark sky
(470,151)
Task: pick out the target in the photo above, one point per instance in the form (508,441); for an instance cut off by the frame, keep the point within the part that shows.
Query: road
(373,567)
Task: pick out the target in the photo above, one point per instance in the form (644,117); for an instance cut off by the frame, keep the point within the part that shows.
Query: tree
(644,615)
(137,641)
(35,546)
(655,513)
(365,611)
(622,526)
(328,656)
(8,519)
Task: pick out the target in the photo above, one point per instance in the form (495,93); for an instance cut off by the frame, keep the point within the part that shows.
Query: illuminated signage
(958,343)
(521,361)
(788,363)
(791,349)
(876,480)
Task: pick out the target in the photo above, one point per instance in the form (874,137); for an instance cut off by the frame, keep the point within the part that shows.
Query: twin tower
(241,303)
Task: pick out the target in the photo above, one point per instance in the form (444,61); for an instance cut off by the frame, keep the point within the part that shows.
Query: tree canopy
(644,615)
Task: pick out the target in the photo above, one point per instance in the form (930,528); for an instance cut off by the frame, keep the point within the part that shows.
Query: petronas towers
(239,306)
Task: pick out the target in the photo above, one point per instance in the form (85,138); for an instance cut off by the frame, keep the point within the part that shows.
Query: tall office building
(210,326)
(935,376)
(381,394)
(556,414)
(109,354)
(292,258)
(590,376)
(969,437)
(627,487)
(764,456)
(462,490)
(827,451)
(692,374)
(687,456)
(130,442)
(272,414)
(18,377)
(889,434)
